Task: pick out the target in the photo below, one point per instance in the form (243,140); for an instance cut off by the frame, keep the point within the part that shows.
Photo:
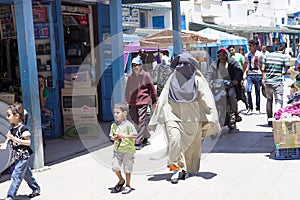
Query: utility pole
(29,76)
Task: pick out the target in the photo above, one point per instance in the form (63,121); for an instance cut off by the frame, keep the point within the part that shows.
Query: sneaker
(8,198)
(34,194)
(249,111)
(138,147)
(258,112)
(126,190)
(175,177)
(238,118)
(145,142)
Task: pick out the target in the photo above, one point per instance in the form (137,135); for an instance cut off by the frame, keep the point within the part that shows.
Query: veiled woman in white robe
(187,110)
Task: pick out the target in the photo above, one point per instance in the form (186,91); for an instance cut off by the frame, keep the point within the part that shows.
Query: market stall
(226,39)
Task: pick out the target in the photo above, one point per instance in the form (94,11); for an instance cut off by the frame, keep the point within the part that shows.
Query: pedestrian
(148,60)
(276,65)
(44,95)
(139,92)
(253,74)
(163,72)
(123,133)
(295,87)
(18,137)
(240,59)
(187,110)
(241,50)
(264,50)
(227,69)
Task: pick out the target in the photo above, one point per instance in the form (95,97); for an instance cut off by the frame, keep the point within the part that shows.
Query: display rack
(7,22)
(44,43)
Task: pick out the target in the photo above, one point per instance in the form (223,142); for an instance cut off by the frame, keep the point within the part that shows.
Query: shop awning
(231,29)
(165,39)
(127,38)
(147,6)
(226,39)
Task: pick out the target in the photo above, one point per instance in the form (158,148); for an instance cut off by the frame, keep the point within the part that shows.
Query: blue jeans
(256,80)
(22,171)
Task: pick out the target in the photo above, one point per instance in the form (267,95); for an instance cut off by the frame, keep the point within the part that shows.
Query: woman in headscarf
(187,110)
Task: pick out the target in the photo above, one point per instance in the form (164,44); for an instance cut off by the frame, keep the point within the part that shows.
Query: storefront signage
(130,16)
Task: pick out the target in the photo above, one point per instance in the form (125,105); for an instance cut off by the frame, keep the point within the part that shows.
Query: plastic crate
(287,153)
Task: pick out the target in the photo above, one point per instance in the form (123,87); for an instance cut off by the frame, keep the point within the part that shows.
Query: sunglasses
(135,65)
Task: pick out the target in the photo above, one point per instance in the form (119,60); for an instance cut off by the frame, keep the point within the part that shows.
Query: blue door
(142,19)
(183,24)
(158,22)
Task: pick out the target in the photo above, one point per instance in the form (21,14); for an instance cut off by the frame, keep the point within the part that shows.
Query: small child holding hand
(123,133)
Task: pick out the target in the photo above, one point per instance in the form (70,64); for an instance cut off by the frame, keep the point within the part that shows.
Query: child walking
(18,137)
(123,133)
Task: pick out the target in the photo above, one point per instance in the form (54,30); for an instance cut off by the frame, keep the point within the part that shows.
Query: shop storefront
(57,36)
(63,58)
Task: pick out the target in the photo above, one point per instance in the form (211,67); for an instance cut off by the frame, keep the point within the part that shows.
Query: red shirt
(140,89)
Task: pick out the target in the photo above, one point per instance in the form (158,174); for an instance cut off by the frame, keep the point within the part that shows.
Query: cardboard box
(79,101)
(77,76)
(80,126)
(286,133)
(7,98)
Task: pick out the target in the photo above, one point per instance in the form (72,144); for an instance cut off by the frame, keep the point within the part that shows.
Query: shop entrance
(79,87)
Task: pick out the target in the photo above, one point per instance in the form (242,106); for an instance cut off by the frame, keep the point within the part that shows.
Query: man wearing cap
(228,69)
(253,74)
(275,66)
(139,92)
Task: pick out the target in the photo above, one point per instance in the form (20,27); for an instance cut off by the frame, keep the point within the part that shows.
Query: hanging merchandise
(270,40)
(7,22)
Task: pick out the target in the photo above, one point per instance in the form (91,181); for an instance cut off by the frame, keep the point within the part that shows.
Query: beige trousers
(184,144)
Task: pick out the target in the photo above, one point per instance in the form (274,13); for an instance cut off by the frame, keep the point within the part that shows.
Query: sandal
(119,186)
(126,190)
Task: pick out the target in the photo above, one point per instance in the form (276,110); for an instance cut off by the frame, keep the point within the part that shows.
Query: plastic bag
(159,143)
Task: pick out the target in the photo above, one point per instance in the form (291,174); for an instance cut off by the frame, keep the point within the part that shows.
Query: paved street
(240,166)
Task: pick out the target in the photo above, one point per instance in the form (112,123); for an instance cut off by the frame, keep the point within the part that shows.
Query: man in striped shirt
(275,66)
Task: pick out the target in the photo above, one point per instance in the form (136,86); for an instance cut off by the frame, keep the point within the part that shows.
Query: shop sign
(130,16)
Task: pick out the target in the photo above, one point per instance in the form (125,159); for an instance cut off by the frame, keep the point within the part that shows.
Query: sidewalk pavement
(241,165)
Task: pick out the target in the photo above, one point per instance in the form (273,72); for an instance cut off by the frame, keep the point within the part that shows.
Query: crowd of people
(181,101)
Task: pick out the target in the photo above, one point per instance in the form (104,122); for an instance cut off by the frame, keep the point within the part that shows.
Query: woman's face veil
(185,64)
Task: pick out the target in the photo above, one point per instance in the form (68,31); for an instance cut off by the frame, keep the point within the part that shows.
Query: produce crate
(287,153)
(286,133)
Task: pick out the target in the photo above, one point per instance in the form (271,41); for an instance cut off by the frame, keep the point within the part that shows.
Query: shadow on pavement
(244,142)
(167,176)
(60,150)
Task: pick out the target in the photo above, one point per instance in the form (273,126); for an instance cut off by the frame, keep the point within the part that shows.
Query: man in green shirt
(240,59)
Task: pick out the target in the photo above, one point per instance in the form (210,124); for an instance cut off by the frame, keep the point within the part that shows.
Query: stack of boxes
(79,103)
(7,98)
(287,138)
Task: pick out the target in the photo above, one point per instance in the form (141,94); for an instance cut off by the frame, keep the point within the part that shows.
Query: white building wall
(269,12)
(167,17)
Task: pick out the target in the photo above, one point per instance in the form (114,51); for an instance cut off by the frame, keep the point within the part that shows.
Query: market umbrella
(165,39)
